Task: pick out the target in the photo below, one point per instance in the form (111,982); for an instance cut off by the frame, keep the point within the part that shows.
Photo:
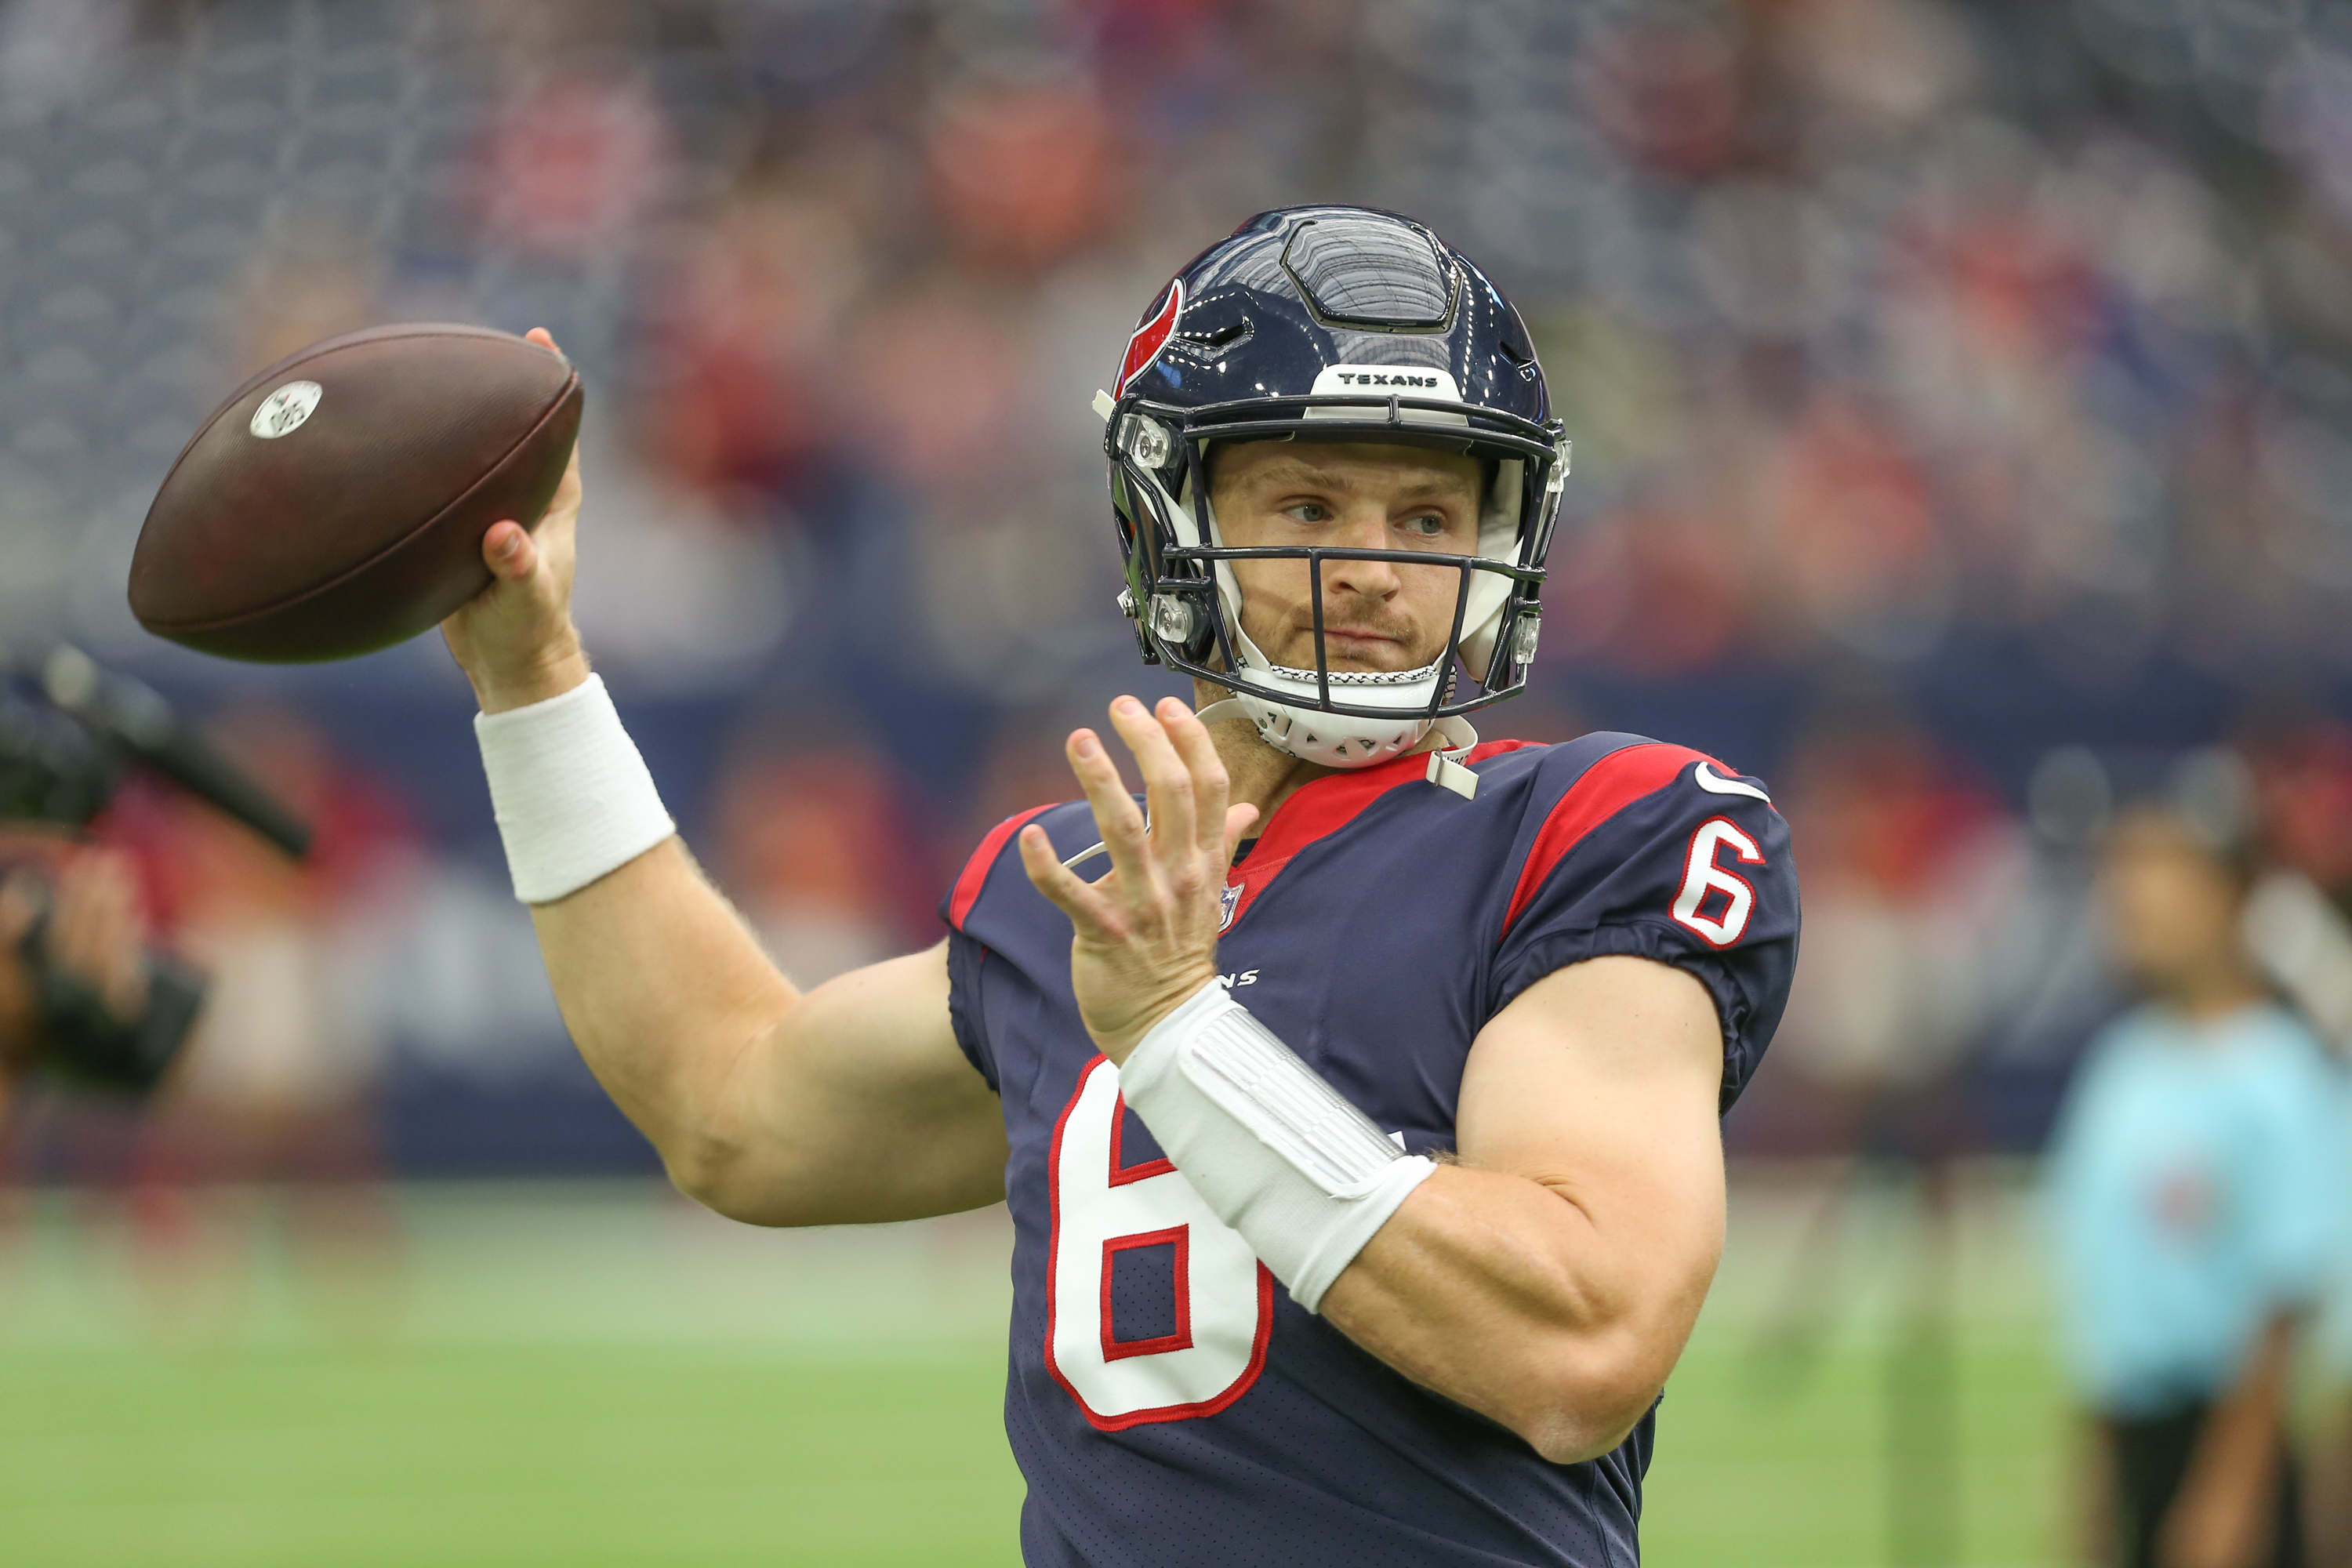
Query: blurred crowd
(1961,396)
(1881,325)
(1923,359)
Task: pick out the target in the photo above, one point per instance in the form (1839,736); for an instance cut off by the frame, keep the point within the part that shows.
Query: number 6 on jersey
(1702,876)
(1224,1298)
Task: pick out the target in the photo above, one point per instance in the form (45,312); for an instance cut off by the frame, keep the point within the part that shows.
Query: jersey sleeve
(965,961)
(1658,852)
(967,952)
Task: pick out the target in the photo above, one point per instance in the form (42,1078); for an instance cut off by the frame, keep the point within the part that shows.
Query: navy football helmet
(1331,323)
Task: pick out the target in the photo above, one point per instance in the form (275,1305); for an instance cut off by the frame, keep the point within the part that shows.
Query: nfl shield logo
(1232,901)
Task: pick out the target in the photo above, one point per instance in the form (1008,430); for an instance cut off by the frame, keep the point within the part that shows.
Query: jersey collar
(1321,807)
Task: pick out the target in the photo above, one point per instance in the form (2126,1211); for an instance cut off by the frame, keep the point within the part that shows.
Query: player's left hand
(1146,934)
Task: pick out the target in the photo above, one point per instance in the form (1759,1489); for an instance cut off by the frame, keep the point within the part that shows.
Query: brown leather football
(335,503)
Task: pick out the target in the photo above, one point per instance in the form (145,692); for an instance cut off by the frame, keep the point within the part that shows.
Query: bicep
(864,1108)
(1600,1083)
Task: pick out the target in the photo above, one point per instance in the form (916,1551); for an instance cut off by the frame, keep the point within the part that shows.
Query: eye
(1428,525)
(1307,512)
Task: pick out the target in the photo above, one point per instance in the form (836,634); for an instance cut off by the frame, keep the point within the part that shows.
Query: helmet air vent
(1221,337)
(1372,273)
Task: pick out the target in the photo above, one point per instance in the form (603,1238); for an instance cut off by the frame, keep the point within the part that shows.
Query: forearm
(2240,1448)
(668,999)
(854,1103)
(1499,1293)
(663,989)
(2222,1512)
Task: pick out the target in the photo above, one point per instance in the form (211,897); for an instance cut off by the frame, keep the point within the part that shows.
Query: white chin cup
(1304,730)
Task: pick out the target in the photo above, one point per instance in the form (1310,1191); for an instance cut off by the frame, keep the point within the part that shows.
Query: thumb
(1239,819)
(508,552)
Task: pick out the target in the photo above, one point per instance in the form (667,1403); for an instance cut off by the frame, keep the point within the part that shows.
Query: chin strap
(1222,708)
(1447,764)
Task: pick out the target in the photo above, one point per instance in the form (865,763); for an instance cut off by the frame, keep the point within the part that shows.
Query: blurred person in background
(1911,864)
(817,851)
(2299,924)
(270,1116)
(73,950)
(2195,1183)
(85,1000)
(77,987)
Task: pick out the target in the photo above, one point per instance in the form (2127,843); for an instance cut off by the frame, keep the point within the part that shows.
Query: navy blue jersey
(1168,1401)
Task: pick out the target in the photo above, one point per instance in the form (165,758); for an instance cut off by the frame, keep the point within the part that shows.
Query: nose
(1362,527)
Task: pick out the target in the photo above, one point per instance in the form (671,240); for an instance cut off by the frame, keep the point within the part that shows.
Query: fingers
(1090,912)
(553,528)
(1116,816)
(93,904)
(1189,738)
(563,509)
(1186,844)
(1238,822)
(1167,782)
(94,929)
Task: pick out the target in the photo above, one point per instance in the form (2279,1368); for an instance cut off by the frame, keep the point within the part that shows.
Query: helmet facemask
(1187,600)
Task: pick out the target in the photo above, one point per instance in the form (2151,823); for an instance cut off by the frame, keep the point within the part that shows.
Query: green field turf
(601,1375)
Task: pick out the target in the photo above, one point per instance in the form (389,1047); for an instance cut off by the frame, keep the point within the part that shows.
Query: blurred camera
(70,734)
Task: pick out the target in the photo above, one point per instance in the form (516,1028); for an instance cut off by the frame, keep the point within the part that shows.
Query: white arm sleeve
(1275,1151)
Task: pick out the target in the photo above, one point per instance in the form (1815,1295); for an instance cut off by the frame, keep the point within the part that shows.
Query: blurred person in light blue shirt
(2196,1187)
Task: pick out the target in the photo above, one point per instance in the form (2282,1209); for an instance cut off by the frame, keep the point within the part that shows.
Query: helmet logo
(1151,338)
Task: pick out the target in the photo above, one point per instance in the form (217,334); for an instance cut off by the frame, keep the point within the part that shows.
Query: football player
(1355,1091)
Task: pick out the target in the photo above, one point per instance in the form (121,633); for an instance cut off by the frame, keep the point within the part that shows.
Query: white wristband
(1275,1151)
(572,796)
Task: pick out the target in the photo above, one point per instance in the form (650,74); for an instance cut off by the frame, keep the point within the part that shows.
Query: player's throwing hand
(1146,934)
(515,639)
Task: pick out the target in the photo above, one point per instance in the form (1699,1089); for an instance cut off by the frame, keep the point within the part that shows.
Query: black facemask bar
(1172,587)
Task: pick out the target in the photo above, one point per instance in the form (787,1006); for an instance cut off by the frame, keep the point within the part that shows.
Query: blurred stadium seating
(1961,390)
(1974,369)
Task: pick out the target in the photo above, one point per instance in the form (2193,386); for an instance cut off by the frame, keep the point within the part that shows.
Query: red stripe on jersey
(1121,1172)
(1608,787)
(983,860)
(1320,809)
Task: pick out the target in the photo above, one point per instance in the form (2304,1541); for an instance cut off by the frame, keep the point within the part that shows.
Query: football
(335,503)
